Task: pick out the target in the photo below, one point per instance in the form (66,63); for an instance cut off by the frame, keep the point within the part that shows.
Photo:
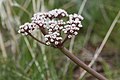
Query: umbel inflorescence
(52,24)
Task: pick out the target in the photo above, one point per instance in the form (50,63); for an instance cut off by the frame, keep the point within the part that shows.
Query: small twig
(81,64)
(71,43)
(66,38)
(42,29)
(36,39)
(98,51)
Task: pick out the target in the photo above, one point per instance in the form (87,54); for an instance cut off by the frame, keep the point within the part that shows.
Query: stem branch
(36,39)
(81,64)
(66,38)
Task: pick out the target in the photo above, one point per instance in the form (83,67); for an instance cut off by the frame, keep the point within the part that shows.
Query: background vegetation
(22,58)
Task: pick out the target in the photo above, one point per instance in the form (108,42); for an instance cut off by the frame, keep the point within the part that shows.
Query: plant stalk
(81,64)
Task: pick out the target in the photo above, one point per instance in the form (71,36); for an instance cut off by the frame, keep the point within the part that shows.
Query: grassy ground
(22,58)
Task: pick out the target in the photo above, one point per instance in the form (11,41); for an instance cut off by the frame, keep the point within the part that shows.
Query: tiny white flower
(68,21)
(75,15)
(56,14)
(65,31)
(54,36)
(56,28)
(71,31)
(40,24)
(69,36)
(79,25)
(29,31)
(73,25)
(57,34)
(59,38)
(48,43)
(56,42)
(22,30)
(46,39)
(80,17)
(26,33)
(63,14)
(29,27)
(70,15)
(50,30)
(76,19)
(19,31)
(75,33)
(61,27)
(51,40)
(26,27)
(21,26)
(77,28)
(47,35)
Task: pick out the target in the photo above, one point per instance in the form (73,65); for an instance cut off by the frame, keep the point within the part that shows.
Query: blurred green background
(22,58)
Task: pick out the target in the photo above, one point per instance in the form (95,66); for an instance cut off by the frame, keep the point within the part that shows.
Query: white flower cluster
(54,29)
(43,18)
(53,24)
(27,28)
(40,19)
(57,13)
(73,25)
(53,37)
